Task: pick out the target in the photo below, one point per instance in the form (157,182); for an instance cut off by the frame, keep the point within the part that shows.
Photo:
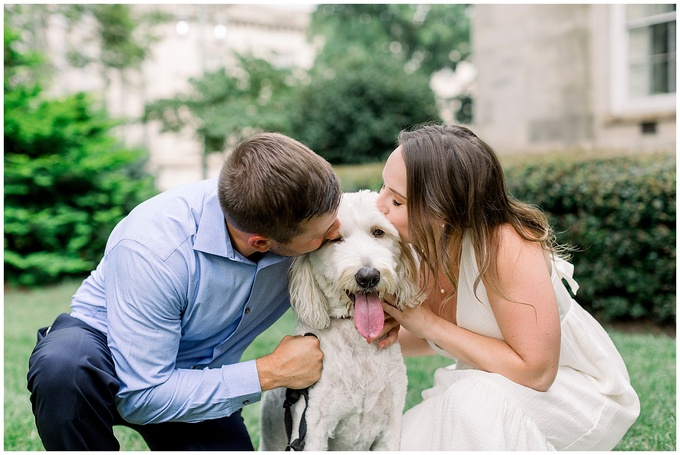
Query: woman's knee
(477,395)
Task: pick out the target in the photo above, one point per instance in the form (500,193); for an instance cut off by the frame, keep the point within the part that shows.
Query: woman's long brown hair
(455,180)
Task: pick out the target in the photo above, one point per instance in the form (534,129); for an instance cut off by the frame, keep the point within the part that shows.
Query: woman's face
(392,199)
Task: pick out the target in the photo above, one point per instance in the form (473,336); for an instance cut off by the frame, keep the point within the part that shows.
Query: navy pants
(73,386)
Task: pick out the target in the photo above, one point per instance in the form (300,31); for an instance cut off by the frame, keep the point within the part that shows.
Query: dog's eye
(378,233)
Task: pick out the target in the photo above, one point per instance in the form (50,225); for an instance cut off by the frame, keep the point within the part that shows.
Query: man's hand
(295,363)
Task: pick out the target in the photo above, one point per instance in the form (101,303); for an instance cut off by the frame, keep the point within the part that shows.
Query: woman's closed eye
(394,201)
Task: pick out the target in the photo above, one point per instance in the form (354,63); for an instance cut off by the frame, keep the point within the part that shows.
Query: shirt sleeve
(145,300)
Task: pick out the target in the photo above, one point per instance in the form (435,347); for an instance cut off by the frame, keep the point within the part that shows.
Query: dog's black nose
(367,277)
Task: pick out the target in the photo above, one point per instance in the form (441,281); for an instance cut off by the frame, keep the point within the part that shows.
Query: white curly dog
(335,292)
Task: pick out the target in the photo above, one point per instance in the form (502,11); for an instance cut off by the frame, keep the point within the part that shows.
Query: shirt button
(247,310)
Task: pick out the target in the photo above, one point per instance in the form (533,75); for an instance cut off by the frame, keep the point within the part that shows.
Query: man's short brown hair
(270,183)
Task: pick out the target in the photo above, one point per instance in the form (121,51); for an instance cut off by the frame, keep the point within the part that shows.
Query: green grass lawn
(650,359)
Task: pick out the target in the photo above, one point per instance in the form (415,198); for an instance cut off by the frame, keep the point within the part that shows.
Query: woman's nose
(380,203)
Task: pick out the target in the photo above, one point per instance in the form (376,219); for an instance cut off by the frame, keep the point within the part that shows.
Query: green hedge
(619,212)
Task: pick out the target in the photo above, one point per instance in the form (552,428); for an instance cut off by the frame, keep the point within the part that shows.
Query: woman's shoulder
(508,237)
(511,244)
(505,237)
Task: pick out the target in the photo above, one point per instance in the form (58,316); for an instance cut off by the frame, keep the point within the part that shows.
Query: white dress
(590,406)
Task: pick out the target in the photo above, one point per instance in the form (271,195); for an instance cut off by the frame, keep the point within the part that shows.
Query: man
(188,279)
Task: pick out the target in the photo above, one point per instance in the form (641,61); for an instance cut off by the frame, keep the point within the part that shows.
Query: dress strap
(565,270)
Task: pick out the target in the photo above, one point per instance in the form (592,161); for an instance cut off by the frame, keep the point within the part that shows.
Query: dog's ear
(409,294)
(306,297)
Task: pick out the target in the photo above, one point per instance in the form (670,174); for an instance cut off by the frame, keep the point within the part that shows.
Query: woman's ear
(306,297)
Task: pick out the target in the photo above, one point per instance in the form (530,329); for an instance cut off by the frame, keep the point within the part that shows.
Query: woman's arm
(413,346)
(529,320)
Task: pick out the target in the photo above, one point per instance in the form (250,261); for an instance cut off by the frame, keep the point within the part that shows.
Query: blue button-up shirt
(180,305)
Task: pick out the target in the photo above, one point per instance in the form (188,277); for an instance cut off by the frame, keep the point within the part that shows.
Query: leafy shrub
(67,183)
(620,213)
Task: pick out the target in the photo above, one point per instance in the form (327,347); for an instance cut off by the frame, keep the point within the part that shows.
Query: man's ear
(259,243)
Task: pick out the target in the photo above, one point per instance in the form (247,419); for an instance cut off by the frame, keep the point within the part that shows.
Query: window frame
(621,102)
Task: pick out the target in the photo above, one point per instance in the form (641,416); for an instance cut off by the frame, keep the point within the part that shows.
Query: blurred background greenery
(69,178)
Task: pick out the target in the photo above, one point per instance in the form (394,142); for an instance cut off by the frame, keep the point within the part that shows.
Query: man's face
(315,232)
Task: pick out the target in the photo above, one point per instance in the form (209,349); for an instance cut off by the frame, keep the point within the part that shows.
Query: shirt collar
(212,236)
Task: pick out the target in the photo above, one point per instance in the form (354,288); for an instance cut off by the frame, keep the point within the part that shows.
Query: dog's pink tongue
(368,314)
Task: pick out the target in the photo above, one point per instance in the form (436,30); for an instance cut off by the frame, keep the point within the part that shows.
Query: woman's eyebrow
(396,192)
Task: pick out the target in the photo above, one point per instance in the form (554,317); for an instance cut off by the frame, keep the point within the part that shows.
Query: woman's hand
(389,334)
(416,320)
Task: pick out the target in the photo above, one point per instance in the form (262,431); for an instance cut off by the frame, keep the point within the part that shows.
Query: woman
(533,371)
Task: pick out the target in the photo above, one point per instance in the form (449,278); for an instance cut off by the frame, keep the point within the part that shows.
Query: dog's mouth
(368,313)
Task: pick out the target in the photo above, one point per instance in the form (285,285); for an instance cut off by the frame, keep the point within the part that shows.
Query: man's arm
(145,301)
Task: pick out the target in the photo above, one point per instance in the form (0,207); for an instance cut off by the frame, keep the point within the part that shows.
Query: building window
(643,58)
(651,49)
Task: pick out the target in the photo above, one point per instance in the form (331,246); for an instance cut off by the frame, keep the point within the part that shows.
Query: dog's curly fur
(358,402)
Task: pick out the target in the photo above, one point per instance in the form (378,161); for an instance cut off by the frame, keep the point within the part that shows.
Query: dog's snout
(367,277)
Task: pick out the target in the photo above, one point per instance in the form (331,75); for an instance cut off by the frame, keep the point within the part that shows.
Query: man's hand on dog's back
(295,363)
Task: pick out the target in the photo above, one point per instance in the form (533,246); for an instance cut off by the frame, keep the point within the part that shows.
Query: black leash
(292,397)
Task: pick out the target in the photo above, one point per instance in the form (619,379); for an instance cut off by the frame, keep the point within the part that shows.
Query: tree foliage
(222,107)
(123,35)
(67,179)
(371,78)
(354,115)
(425,37)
